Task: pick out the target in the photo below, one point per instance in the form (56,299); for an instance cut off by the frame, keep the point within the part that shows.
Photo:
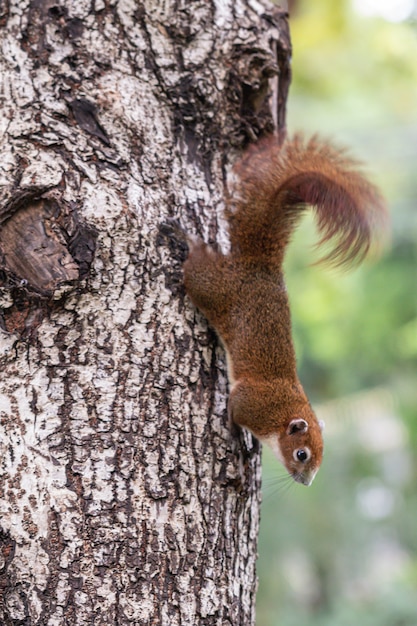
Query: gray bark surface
(126,497)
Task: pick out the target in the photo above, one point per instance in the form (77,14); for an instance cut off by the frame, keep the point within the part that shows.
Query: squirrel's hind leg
(207,277)
(206,281)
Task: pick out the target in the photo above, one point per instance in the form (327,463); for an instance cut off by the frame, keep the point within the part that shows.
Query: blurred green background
(344,551)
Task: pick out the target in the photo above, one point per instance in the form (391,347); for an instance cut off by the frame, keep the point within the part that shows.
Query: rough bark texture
(126,497)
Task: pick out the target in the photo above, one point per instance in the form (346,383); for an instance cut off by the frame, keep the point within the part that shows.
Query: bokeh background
(344,551)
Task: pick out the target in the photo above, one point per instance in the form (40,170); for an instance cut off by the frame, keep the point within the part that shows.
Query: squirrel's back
(276,185)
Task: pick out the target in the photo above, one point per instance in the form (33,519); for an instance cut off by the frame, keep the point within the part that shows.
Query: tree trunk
(126,496)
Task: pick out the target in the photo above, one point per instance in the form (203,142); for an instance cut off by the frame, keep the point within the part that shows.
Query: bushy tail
(276,185)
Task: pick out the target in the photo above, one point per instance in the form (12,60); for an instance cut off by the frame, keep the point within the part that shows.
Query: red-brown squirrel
(243,294)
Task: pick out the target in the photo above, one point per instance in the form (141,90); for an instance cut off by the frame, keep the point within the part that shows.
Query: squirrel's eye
(301,455)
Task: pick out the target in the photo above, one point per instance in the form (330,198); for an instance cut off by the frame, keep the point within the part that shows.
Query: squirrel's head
(279,415)
(299,447)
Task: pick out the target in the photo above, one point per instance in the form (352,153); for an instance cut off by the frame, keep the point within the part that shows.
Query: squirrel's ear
(322,424)
(297,426)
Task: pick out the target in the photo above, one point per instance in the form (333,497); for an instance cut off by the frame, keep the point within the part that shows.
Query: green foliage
(327,557)
(349,61)
(356,80)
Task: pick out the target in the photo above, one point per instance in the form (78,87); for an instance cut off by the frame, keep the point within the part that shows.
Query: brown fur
(243,293)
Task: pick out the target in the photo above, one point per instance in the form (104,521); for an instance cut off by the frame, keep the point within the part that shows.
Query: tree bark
(126,496)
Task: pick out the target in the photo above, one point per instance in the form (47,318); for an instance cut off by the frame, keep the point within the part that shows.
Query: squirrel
(243,294)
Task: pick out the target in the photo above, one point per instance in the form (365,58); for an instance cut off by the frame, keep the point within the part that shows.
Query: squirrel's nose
(305,478)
